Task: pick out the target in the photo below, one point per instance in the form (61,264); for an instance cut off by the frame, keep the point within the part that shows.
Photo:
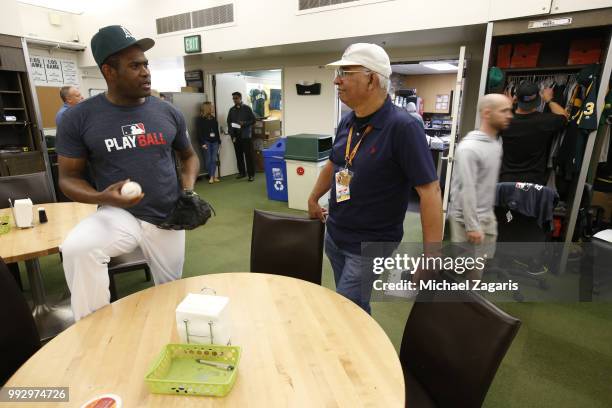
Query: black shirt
(526,145)
(205,126)
(242,116)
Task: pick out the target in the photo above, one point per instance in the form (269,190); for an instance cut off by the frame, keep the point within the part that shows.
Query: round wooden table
(302,346)
(43,239)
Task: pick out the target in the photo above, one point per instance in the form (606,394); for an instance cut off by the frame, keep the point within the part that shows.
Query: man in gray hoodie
(477,162)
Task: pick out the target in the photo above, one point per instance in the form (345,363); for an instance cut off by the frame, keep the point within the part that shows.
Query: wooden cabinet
(11,59)
(22,151)
(15,123)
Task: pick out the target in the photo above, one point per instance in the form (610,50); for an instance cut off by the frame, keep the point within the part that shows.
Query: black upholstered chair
(287,245)
(452,349)
(125,263)
(19,336)
(34,186)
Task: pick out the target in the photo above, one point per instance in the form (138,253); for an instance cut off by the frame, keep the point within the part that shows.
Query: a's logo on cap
(529,98)
(127,33)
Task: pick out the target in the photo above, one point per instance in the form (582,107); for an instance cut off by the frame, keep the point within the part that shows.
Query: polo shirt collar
(379,118)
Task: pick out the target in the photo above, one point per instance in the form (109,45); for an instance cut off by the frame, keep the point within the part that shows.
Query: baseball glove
(189,212)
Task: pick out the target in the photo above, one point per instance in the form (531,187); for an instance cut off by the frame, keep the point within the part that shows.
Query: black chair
(19,338)
(287,245)
(451,349)
(34,186)
(125,263)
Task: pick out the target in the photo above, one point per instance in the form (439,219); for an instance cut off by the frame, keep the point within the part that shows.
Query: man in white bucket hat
(380,153)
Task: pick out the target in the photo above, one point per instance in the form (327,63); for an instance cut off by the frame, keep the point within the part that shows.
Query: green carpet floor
(561,358)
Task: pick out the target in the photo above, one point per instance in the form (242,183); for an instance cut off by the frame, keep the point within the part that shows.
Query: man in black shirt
(240,119)
(527,141)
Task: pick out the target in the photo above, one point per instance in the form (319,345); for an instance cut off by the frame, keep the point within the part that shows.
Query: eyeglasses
(342,73)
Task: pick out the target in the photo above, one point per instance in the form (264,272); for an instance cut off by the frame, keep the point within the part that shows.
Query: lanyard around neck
(348,157)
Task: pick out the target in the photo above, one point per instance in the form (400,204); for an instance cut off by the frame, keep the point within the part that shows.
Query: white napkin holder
(23,213)
(203,319)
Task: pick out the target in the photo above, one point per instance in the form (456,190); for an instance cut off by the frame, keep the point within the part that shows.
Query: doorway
(262,92)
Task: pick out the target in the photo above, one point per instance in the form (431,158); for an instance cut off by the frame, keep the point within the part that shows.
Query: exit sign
(193,44)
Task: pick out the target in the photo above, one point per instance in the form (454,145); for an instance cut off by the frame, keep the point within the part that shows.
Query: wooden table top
(43,239)
(303,345)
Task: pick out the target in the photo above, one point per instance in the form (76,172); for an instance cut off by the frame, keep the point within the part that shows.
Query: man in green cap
(123,135)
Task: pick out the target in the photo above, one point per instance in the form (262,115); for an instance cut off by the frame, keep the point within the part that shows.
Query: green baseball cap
(496,79)
(112,39)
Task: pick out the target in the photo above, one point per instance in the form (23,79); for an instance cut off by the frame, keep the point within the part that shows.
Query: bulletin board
(50,102)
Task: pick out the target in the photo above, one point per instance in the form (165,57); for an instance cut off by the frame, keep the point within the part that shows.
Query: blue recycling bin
(276,171)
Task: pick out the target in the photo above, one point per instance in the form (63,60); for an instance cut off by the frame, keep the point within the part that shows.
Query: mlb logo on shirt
(134,129)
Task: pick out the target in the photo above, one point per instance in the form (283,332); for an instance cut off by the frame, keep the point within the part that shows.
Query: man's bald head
(491,101)
(495,111)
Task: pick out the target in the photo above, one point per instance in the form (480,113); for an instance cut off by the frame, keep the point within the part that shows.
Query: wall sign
(193,44)
(38,70)
(47,71)
(53,69)
(551,22)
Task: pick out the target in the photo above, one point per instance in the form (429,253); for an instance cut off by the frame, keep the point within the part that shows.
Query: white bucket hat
(370,56)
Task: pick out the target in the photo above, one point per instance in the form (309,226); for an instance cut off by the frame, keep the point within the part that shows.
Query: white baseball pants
(107,233)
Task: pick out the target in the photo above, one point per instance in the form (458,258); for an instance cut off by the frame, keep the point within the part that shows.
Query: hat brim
(145,43)
(529,105)
(346,63)
(342,63)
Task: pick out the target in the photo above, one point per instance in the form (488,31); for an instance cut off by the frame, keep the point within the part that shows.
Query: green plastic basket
(4,224)
(177,371)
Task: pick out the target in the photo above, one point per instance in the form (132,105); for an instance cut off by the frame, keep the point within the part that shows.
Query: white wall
(273,22)
(35,23)
(308,113)
(10,23)
(315,114)
(91,78)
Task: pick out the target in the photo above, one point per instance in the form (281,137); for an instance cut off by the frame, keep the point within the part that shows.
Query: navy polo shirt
(393,158)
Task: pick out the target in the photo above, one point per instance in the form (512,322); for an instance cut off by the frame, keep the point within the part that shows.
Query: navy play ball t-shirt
(134,142)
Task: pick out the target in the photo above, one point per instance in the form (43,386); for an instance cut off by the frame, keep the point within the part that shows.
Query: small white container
(301,178)
(23,212)
(203,319)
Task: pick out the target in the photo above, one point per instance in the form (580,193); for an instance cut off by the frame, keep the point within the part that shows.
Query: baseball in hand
(131,189)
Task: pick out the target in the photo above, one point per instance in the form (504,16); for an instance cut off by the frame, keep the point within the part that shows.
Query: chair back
(19,338)
(287,245)
(35,186)
(454,345)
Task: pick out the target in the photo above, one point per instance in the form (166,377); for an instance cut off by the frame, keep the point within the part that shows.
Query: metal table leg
(50,319)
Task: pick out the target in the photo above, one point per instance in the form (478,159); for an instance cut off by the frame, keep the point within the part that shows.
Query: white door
(504,10)
(224,86)
(455,116)
(566,6)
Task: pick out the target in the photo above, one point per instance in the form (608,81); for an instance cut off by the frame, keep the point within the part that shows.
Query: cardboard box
(525,55)
(189,89)
(584,52)
(267,128)
(603,200)
(270,142)
(504,55)
(272,128)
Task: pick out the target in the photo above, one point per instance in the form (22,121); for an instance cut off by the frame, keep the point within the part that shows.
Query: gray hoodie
(475,174)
